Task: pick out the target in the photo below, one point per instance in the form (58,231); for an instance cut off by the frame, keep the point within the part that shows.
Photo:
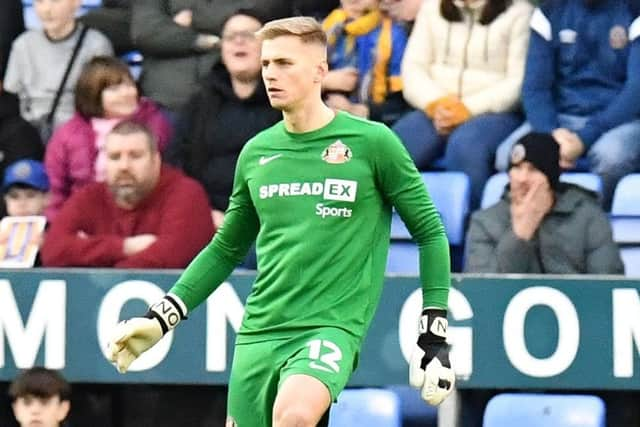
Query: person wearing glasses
(231,107)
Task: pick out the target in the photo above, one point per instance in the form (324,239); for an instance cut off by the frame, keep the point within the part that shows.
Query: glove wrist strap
(169,311)
(433,325)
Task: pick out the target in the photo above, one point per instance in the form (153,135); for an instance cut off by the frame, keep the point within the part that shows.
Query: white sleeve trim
(541,25)
(634,29)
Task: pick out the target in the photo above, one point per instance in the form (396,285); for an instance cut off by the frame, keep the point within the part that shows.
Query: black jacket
(213,128)
(174,66)
(11,26)
(18,139)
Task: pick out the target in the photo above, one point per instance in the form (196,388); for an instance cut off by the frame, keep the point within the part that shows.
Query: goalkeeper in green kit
(315,192)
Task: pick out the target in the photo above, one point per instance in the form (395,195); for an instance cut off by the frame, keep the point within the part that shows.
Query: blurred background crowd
(459,81)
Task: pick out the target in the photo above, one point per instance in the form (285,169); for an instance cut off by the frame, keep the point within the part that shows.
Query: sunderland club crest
(336,153)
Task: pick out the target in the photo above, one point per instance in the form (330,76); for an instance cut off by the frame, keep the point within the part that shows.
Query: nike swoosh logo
(264,160)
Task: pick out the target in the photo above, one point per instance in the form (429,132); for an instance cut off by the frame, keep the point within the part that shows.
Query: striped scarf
(338,23)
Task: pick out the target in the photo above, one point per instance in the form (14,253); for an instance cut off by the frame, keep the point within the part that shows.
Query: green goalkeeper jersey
(319,204)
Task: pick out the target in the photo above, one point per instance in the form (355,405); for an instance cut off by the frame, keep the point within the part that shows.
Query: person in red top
(145,215)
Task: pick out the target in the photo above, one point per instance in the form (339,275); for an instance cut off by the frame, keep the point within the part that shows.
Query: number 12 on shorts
(324,355)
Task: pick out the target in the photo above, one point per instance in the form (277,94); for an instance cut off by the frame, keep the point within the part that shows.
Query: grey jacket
(574,238)
(173,64)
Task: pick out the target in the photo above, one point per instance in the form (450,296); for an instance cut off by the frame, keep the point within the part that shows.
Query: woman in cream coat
(462,72)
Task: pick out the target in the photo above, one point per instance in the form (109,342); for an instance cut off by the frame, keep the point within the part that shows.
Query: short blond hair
(306,28)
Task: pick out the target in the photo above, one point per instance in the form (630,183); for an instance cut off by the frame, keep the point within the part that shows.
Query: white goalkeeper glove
(429,368)
(133,337)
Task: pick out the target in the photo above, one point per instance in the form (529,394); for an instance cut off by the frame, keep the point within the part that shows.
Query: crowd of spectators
(44,64)
(459,81)
(230,108)
(106,94)
(462,74)
(144,214)
(365,50)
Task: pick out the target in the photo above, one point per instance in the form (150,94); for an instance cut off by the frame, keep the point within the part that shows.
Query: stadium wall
(525,332)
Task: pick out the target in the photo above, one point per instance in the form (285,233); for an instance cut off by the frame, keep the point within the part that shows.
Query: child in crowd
(26,193)
(40,397)
(18,138)
(365,54)
(25,188)
(39,59)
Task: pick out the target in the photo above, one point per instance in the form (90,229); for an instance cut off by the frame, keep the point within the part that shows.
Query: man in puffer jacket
(541,225)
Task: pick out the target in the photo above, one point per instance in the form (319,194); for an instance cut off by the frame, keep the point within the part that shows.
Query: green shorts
(328,354)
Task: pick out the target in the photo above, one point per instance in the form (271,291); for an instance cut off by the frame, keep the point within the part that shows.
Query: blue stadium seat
(625,210)
(366,407)
(587,180)
(398,229)
(31,21)
(494,188)
(403,258)
(544,410)
(414,410)
(450,192)
(631,259)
